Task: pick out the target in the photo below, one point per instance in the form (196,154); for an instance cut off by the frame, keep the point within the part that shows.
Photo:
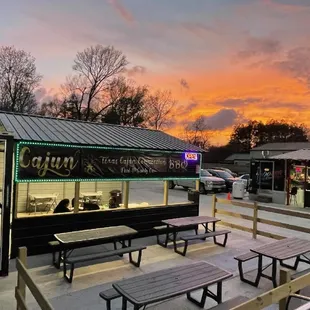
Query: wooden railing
(255,219)
(24,280)
(278,294)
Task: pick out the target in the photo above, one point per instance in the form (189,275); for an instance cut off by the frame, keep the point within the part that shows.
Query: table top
(284,249)
(43,196)
(167,283)
(94,234)
(191,220)
(91,194)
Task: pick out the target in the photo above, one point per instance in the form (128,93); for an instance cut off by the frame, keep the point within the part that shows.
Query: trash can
(238,190)
(193,195)
(115,198)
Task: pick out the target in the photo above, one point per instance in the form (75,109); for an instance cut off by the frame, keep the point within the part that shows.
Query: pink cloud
(287,7)
(122,11)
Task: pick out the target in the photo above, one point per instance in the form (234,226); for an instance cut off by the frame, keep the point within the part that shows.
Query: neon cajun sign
(191,156)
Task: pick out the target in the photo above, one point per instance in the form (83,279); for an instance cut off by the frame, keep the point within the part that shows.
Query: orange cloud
(228,97)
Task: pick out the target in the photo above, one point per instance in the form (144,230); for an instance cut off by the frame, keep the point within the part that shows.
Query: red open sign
(191,156)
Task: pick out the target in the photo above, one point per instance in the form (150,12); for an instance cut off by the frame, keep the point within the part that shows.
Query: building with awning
(45,160)
(280,173)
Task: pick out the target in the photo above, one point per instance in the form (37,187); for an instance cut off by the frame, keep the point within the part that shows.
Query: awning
(303,154)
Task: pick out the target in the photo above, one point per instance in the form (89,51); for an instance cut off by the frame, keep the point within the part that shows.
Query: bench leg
(294,267)
(108,304)
(183,253)
(200,303)
(165,243)
(206,293)
(115,246)
(138,262)
(224,242)
(243,279)
(54,258)
(70,278)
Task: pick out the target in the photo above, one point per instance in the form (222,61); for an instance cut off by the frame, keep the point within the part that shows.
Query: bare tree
(94,67)
(160,109)
(126,103)
(198,133)
(18,80)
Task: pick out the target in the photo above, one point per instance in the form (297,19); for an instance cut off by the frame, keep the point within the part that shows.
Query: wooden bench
(109,295)
(160,230)
(231,303)
(244,258)
(213,234)
(71,261)
(301,297)
(300,274)
(55,247)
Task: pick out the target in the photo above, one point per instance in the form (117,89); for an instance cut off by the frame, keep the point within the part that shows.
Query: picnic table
(174,226)
(70,241)
(93,197)
(165,284)
(281,250)
(48,200)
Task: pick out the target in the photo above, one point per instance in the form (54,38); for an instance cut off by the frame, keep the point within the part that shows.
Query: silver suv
(208,183)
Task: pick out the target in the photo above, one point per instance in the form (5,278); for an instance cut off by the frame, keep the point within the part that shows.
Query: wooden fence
(255,219)
(24,280)
(278,294)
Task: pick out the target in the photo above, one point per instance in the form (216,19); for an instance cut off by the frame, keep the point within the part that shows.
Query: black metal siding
(36,232)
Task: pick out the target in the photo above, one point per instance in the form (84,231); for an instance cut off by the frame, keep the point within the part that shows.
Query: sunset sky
(228,60)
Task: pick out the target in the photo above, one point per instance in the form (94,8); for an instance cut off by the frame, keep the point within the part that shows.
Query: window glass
(224,174)
(266,174)
(279,175)
(205,173)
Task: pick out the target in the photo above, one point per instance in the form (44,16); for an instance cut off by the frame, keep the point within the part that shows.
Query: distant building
(280,173)
(239,159)
(272,149)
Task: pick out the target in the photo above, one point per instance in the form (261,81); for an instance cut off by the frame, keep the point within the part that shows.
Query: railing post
(77,197)
(126,194)
(285,277)
(213,205)
(255,215)
(21,285)
(166,193)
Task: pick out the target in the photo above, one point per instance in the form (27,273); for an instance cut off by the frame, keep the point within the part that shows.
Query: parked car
(229,179)
(208,183)
(227,170)
(245,178)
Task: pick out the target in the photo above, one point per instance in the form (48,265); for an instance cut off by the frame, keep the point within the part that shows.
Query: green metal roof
(56,130)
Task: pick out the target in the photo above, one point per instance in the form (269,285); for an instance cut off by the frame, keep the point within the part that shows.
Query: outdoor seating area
(162,285)
(200,279)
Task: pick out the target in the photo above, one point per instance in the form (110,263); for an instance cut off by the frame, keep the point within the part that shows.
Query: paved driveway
(152,192)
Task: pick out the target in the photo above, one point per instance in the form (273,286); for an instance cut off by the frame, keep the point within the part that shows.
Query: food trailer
(46,160)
